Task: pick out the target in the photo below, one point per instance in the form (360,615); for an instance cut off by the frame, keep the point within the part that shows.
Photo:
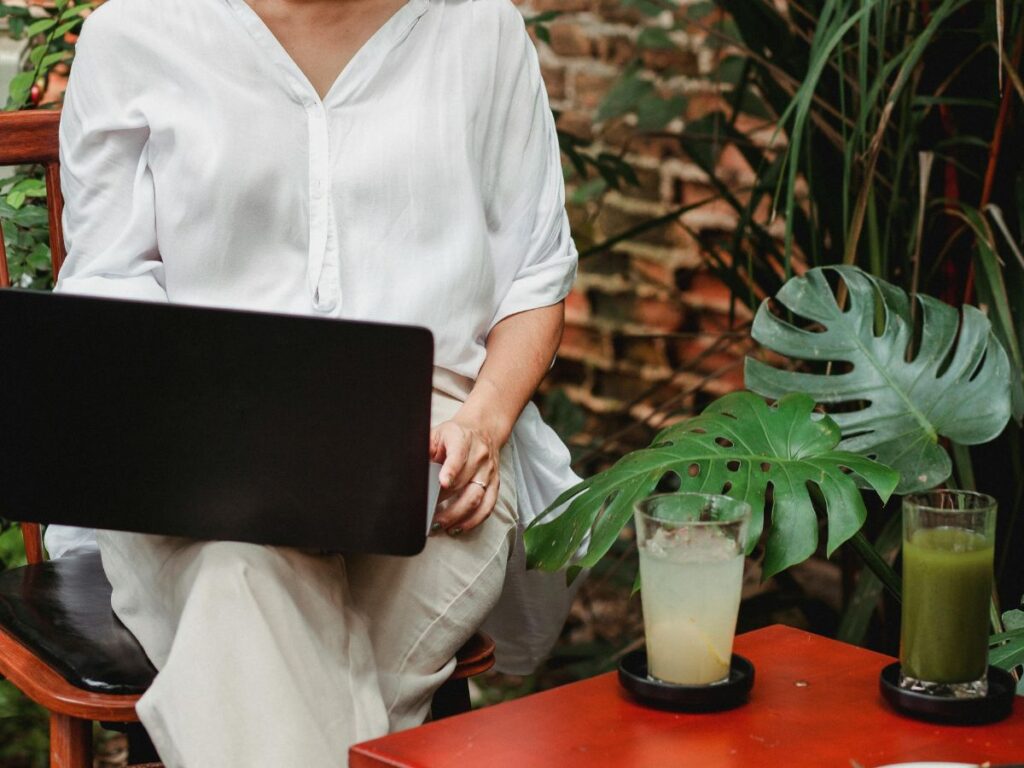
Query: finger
(461,507)
(434,448)
(479,464)
(485,508)
(455,446)
(449,493)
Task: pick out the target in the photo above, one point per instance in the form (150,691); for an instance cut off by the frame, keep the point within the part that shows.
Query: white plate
(930,765)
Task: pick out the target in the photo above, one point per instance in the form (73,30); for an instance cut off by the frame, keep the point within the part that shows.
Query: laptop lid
(214,424)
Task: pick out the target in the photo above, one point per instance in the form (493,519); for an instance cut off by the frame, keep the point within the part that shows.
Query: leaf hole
(947,359)
(882,318)
(783,312)
(724,442)
(699,431)
(979,366)
(693,470)
(828,367)
(766,467)
(733,466)
(670,482)
(857,433)
(727,487)
(845,470)
(917,332)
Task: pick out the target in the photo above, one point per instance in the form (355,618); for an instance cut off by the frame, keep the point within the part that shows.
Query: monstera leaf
(1006,649)
(739,446)
(956,385)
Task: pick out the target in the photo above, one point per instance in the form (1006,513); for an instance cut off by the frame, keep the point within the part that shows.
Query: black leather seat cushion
(60,610)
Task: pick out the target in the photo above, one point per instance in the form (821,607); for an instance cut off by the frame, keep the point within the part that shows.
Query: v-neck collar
(363,63)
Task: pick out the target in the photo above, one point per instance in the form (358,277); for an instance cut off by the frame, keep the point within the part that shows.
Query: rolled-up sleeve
(524,184)
(109,214)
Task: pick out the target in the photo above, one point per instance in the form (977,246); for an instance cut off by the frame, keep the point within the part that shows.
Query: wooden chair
(60,643)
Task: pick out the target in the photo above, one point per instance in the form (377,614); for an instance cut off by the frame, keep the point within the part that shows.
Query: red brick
(614,49)
(591,88)
(620,385)
(554,80)
(709,286)
(685,355)
(642,350)
(655,146)
(714,323)
(577,123)
(675,61)
(654,271)
(653,313)
(701,103)
(613,307)
(614,221)
(649,187)
(659,314)
(569,39)
(617,133)
(693,192)
(732,167)
(607,262)
(586,344)
(577,307)
(566,6)
(568,372)
(615,10)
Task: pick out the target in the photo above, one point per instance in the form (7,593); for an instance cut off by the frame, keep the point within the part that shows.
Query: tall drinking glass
(691,565)
(948,542)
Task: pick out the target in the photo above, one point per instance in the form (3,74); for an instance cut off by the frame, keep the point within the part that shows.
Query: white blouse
(200,166)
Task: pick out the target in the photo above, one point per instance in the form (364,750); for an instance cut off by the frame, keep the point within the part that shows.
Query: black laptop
(214,424)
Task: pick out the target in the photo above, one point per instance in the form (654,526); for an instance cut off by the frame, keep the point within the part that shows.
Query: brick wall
(643,312)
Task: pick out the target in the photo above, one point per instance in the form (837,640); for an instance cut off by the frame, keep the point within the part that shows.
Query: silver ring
(477,482)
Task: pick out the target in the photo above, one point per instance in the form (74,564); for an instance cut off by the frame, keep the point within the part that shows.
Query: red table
(815,703)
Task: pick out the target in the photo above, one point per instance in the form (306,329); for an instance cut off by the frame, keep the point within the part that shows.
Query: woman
(367,159)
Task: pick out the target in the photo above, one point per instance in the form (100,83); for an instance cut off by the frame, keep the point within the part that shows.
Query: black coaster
(950,710)
(713,697)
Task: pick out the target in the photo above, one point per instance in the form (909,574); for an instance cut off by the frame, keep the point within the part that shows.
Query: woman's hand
(470,474)
(520,349)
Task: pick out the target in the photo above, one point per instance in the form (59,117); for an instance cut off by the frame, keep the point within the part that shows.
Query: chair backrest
(30,137)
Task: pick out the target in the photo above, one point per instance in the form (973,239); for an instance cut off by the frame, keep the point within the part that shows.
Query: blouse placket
(323,266)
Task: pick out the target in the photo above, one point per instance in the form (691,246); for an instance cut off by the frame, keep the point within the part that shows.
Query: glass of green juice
(948,542)
(691,570)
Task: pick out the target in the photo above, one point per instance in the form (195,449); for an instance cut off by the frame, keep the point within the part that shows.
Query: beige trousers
(276,657)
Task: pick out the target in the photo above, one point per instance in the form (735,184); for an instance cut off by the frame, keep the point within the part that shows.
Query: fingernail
(454,531)
(435,527)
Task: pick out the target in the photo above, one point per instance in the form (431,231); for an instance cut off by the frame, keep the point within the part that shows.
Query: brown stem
(993,155)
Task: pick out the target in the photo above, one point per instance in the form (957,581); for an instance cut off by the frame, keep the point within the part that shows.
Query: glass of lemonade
(691,567)
(948,539)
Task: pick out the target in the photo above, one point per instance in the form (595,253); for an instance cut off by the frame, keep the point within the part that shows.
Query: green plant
(891,151)
(50,33)
(25,230)
(1006,649)
(52,44)
(899,397)
(739,446)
